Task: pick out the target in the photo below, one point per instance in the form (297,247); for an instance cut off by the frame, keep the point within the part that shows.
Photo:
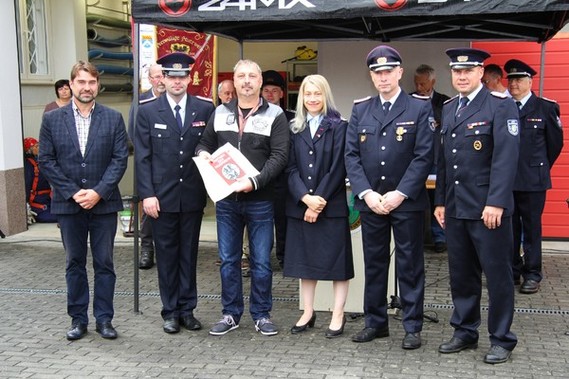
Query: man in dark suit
(388,155)
(156,79)
(170,186)
(425,79)
(541,141)
(474,203)
(83,154)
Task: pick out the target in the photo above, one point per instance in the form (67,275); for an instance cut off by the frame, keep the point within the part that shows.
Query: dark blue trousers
(410,267)
(176,241)
(100,230)
(474,249)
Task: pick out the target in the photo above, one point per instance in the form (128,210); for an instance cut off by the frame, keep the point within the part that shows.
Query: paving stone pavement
(33,323)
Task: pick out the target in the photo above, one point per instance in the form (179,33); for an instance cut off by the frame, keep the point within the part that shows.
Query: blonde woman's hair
(329,108)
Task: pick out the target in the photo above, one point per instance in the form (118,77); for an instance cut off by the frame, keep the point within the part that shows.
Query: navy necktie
(178,117)
(519,104)
(463,103)
(386,107)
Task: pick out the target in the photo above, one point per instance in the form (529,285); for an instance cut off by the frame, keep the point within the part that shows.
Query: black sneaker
(266,327)
(223,326)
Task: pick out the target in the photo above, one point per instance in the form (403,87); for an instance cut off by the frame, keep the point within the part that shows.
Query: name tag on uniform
(160,126)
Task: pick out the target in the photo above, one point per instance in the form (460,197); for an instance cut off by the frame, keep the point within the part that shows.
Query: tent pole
(542,69)
(135,200)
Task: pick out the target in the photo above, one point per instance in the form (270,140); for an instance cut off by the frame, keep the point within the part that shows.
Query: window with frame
(32,29)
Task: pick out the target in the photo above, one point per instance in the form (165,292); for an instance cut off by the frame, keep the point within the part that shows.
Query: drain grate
(35,291)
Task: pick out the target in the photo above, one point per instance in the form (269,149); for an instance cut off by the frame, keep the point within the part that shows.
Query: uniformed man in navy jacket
(388,155)
(474,203)
(541,141)
(173,195)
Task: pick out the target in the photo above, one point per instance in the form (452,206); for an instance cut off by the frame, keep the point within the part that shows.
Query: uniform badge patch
(432,123)
(513,127)
(477,145)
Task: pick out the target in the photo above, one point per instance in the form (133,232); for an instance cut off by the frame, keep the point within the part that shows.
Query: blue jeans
(232,216)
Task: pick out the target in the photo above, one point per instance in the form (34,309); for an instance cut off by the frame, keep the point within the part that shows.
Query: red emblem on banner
(175,8)
(391,5)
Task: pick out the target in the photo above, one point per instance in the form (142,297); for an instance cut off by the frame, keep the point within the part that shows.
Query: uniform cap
(516,68)
(273,78)
(466,57)
(29,142)
(383,58)
(176,64)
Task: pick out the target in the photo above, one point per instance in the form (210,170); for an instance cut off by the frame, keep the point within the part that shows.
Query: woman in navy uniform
(389,152)
(474,203)
(318,242)
(541,141)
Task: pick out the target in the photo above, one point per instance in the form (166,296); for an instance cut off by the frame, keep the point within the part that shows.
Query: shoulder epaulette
(144,101)
(451,99)
(420,97)
(362,100)
(499,94)
(205,98)
(550,100)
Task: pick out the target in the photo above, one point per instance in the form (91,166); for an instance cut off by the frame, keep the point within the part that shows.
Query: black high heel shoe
(301,328)
(335,333)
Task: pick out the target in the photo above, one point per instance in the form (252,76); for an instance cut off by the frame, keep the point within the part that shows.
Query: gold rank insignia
(400,131)
(362,138)
(462,58)
(477,145)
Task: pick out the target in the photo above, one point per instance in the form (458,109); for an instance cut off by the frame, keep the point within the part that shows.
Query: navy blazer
(478,157)
(316,167)
(541,141)
(376,159)
(163,154)
(102,167)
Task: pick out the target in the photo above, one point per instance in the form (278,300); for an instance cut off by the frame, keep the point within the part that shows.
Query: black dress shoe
(455,345)
(440,247)
(411,341)
(146,260)
(529,286)
(106,330)
(190,322)
(76,332)
(368,334)
(301,328)
(330,333)
(171,325)
(497,354)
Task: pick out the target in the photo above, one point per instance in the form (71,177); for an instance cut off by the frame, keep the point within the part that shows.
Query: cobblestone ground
(33,322)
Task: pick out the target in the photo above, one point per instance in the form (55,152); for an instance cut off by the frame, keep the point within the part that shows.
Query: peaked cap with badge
(516,68)
(463,57)
(176,64)
(273,78)
(383,57)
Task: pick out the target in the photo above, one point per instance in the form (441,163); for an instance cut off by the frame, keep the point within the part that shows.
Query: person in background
(541,141)
(38,190)
(156,79)
(425,79)
(83,155)
(319,245)
(272,90)
(260,131)
(389,152)
(170,186)
(225,91)
(63,93)
(492,79)
(474,202)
